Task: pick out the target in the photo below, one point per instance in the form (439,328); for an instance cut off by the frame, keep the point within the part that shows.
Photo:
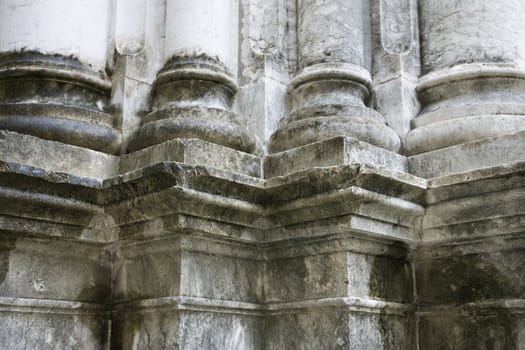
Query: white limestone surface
(80,28)
(203,27)
(463,31)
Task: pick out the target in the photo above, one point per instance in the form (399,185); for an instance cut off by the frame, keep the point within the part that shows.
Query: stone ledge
(472,245)
(197,242)
(193,152)
(324,179)
(48,208)
(349,303)
(332,152)
(345,225)
(332,235)
(54,307)
(513,306)
(180,200)
(469,157)
(348,242)
(184,303)
(354,200)
(93,167)
(142,196)
(477,182)
(494,228)
(56,157)
(491,205)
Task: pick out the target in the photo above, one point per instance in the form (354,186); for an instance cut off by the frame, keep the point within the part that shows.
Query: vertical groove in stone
(330,91)
(53,83)
(395,62)
(194,91)
(474,74)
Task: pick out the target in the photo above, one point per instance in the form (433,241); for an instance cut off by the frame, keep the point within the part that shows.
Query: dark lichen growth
(24,56)
(195,60)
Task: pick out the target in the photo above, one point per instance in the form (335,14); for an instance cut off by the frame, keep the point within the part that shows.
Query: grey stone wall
(248,174)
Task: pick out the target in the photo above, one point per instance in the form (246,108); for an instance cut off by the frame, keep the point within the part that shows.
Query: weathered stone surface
(472,85)
(186,329)
(332,152)
(338,275)
(50,324)
(193,151)
(57,98)
(460,278)
(451,33)
(331,90)
(183,266)
(491,326)
(250,174)
(56,157)
(146,330)
(338,328)
(88,267)
(485,153)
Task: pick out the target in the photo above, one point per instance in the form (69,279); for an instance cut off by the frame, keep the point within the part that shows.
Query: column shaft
(473,61)
(194,90)
(330,92)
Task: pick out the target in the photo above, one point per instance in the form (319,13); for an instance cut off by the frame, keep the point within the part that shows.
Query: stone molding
(57,98)
(180,222)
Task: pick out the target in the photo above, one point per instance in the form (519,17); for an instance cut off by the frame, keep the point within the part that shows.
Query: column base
(57,98)
(467,103)
(208,124)
(324,122)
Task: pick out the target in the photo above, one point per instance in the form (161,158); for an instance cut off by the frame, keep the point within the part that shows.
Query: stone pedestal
(332,88)
(194,91)
(53,83)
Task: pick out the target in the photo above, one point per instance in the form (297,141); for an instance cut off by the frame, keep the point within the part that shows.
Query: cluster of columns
(471,87)
(54,82)
(54,85)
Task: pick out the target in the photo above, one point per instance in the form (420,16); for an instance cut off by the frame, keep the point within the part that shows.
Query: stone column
(331,90)
(53,84)
(194,90)
(473,65)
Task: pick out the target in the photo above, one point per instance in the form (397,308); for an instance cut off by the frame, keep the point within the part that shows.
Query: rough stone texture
(250,174)
(331,90)
(472,86)
(193,92)
(395,61)
(460,20)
